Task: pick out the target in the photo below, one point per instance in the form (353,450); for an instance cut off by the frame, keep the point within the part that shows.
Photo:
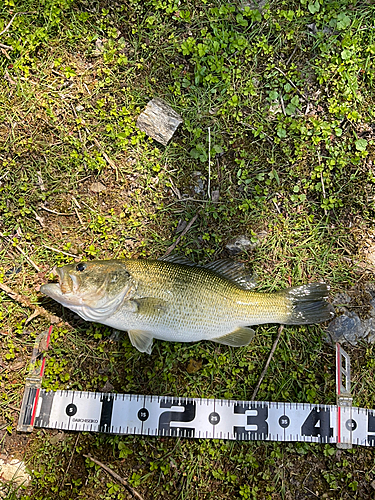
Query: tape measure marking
(202,418)
(197,418)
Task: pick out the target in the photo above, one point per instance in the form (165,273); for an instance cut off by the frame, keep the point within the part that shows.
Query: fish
(175,300)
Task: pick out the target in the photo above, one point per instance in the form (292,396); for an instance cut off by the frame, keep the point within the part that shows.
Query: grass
(288,96)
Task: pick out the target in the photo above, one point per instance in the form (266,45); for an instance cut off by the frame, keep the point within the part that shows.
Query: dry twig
(11,21)
(6,47)
(173,246)
(23,253)
(5,53)
(282,105)
(39,219)
(61,251)
(292,84)
(70,461)
(38,311)
(116,476)
(54,211)
(281,328)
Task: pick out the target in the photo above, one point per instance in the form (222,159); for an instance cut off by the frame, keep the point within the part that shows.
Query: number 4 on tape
(197,418)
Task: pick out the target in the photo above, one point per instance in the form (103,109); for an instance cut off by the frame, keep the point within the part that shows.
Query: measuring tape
(126,414)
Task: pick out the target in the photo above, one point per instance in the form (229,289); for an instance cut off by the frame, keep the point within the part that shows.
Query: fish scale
(201,298)
(178,301)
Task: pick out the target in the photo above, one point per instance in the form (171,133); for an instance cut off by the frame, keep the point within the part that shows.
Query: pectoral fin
(151,305)
(241,336)
(141,340)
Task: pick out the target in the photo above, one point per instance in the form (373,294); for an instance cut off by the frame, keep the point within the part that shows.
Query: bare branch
(281,328)
(116,476)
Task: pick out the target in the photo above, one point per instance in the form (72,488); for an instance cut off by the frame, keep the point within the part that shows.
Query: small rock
(40,181)
(193,365)
(99,47)
(244,244)
(79,108)
(99,44)
(369,326)
(97,187)
(346,328)
(14,470)
(372,310)
(253,4)
(159,121)
(341,299)
(107,387)
(17,364)
(215,195)
(104,370)
(199,186)
(275,108)
(370,288)
(13,270)
(181,225)
(312,28)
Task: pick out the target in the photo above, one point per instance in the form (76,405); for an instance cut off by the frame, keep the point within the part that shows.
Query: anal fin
(239,337)
(141,340)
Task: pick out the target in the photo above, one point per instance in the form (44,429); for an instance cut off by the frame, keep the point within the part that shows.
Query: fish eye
(80,267)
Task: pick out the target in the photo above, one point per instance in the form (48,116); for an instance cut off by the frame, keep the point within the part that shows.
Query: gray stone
(252,4)
(181,225)
(369,327)
(198,183)
(215,196)
(346,328)
(341,299)
(107,387)
(243,243)
(372,310)
(313,29)
(159,121)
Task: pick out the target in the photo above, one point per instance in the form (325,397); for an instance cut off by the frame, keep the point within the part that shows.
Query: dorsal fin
(178,259)
(233,271)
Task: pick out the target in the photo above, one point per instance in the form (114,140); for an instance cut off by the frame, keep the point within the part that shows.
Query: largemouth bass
(178,301)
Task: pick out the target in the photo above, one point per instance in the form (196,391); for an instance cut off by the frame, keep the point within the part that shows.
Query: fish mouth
(67,285)
(68,282)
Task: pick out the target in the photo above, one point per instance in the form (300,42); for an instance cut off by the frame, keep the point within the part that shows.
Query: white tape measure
(339,424)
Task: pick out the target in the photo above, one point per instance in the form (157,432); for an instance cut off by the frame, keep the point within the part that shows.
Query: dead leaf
(97,187)
(193,365)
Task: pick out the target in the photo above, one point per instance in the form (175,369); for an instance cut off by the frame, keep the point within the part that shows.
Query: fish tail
(308,304)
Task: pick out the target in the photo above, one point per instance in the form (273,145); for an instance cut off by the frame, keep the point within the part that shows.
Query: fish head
(94,289)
